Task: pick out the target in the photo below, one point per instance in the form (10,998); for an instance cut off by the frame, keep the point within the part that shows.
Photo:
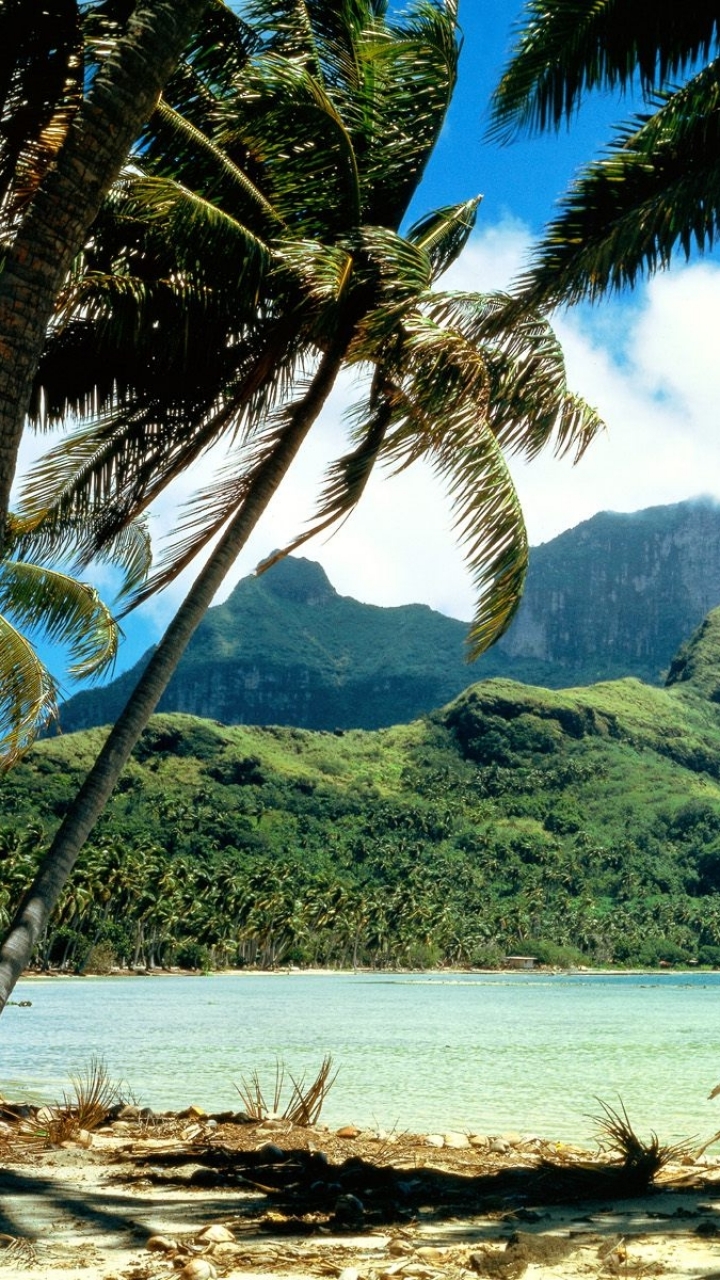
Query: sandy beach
(145,1197)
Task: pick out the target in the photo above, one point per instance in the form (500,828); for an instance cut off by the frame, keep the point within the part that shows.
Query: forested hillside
(578,826)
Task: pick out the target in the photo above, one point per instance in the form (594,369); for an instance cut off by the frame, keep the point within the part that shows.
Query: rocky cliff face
(616,596)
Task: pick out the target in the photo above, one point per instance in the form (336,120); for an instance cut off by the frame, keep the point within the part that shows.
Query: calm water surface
(488,1052)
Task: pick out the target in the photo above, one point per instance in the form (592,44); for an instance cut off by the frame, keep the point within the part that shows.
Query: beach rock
(198,1269)
(347,1131)
(434,1140)
(430,1253)
(458,1141)
(349,1211)
(399,1247)
(161,1244)
(215,1234)
(479,1140)
(349,1273)
(269,1151)
(499,1146)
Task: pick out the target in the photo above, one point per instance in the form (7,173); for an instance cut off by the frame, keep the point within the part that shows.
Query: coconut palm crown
(656,190)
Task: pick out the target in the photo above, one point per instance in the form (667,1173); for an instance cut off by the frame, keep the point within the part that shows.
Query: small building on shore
(520,962)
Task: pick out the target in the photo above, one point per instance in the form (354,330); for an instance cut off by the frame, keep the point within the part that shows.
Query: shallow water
(485,1052)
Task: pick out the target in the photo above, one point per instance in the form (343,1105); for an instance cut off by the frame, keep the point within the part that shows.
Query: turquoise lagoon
(491,1053)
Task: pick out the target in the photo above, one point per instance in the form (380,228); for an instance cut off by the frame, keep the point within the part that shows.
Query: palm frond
(192,149)
(565,48)
(41,79)
(529,404)
(275,122)
(28,695)
(657,189)
(64,610)
(201,230)
(75,544)
(443,234)
(409,70)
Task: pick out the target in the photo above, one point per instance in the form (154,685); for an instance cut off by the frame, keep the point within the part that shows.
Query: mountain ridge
(615,596)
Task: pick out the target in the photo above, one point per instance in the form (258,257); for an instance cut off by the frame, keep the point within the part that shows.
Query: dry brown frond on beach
(306,1101)
(640,1161)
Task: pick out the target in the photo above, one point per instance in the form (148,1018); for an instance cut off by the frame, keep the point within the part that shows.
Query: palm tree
(254,255)
(657,188)
(64,134)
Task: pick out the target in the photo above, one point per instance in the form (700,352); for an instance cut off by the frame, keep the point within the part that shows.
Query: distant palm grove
(577,826)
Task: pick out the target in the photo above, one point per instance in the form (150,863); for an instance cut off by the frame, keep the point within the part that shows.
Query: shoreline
(294,972)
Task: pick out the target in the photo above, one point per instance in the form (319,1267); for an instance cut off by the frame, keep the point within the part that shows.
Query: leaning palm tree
(253,251)
(656,190)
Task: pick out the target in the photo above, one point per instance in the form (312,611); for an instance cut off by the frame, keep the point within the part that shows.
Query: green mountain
(579,825)
(615,596)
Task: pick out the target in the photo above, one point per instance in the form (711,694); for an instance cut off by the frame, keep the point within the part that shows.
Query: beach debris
(161,1244)
(305,1102)
(198,1269)
(216,1233)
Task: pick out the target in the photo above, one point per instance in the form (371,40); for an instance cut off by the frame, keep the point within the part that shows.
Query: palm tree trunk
(121,98)
(58,863)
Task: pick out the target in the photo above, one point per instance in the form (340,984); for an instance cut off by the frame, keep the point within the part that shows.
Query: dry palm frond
(85,1108)
(94,1095)
(640,1161)
(306,1101)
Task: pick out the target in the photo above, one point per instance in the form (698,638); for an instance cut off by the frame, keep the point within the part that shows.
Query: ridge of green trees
(580,826)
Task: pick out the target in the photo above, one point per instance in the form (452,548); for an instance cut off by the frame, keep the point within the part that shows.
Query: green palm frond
(274,122)
(65,610)
(490,526)
(46,544)
(41,79)
(657,189)
(565,48)
(409,69)
(443,234)
(195,154)
(28,695)
(529,402)
(201,230)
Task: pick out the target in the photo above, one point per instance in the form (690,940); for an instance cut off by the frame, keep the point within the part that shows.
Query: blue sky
(648,362)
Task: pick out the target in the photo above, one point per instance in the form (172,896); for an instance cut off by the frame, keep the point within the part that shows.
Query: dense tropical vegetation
(656,190)
(252,251)
(579,826)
